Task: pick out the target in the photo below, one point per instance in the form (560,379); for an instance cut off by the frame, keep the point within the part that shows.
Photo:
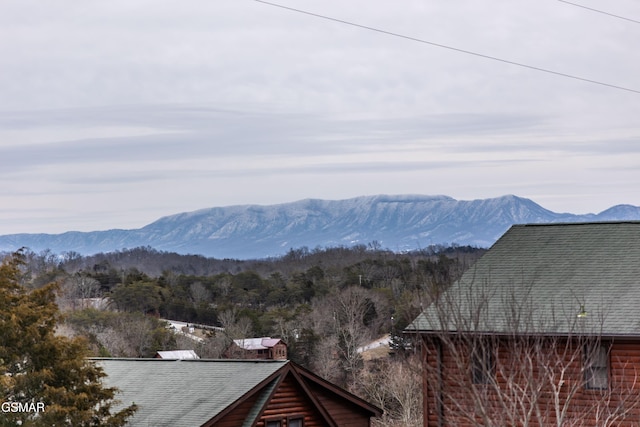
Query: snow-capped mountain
(404,222)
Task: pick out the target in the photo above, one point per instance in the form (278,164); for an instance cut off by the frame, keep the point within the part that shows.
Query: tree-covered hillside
(324,303)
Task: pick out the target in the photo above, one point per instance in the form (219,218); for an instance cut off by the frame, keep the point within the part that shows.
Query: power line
(599,11)
(468,52)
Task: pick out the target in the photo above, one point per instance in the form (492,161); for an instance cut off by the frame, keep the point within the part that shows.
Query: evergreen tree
(46,380)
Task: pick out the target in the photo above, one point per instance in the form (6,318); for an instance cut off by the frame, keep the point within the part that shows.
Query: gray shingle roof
(538,278)
(194,395)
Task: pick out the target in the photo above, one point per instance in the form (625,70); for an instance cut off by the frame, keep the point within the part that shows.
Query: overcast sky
(115,113)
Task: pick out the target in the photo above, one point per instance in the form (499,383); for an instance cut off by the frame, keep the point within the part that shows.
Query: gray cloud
(179,106)
(201,132)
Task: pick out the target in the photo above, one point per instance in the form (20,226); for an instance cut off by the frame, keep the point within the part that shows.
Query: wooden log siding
(453,384)
(237,416)
(340,410)
(290,399)
(278,351)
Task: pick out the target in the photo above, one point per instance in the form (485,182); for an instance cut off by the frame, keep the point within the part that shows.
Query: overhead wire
(600,11)
(468,52)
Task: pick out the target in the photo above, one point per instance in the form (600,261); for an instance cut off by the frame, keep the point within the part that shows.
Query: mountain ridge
(396,222)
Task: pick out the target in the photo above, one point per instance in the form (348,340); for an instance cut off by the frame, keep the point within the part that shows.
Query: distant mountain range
(399,223)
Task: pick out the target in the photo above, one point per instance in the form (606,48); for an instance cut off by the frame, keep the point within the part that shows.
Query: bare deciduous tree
(395,386)
(77,289)
(516,368)
(326,364)
(199,293)
(235,327)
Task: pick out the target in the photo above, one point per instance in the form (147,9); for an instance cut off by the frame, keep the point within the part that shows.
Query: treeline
(197,289)
(325,303)
(193,288)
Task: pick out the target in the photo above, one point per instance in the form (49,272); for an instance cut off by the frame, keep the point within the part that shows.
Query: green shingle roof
(538,278)
(183,393)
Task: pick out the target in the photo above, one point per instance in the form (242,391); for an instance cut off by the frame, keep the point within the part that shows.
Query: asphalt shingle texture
(182,393)
(538,278)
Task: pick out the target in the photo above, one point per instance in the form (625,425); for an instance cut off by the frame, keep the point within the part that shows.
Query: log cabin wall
(558,375)
(278,351)
(237,416)
(289,400)
(344,413)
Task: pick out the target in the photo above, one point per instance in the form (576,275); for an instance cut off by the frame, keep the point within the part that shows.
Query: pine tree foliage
(46,380)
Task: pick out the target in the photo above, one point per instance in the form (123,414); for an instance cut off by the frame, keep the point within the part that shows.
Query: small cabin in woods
(258,348)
